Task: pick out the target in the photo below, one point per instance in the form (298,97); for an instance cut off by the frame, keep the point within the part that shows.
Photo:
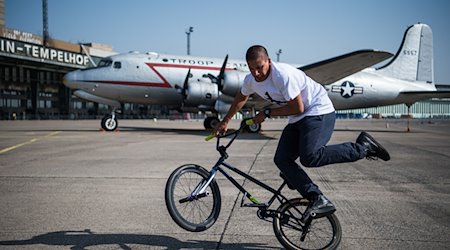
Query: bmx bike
(193,200)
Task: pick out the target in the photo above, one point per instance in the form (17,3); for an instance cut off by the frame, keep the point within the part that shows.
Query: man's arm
(238,103)
(293,107)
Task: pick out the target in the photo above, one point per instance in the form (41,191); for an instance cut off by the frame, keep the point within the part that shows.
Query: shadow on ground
(86,238)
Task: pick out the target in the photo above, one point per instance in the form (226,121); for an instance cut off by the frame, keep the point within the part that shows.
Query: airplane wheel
(211,122)
(108,123)
(255,128)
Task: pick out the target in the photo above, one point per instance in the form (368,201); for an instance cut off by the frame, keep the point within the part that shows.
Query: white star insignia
(347,89)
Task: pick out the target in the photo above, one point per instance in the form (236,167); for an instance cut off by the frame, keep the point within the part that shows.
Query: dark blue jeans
(307,139)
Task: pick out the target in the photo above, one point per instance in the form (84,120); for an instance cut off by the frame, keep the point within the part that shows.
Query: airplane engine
(232,82)
(201,93)
(222,107)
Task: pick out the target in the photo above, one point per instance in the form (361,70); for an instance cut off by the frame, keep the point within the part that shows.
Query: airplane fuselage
(147,78)
(369,89)
(158,79)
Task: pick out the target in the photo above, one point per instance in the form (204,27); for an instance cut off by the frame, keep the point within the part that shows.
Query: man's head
(258,62)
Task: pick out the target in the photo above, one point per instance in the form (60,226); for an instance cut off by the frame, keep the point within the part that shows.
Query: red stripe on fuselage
(165,83)
(145,84)
(170,65)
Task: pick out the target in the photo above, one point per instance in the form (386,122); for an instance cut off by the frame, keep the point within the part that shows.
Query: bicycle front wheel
(323,233)
(193,213)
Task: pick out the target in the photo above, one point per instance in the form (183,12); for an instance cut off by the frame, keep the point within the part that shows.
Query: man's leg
(285,157)
(315,133)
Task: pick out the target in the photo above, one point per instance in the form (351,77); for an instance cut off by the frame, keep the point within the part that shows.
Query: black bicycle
(193,201)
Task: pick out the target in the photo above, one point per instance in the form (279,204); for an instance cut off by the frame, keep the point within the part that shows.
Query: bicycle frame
(219,167)
(276,192)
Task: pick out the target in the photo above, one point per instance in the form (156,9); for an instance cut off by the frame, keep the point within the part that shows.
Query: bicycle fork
(200,190)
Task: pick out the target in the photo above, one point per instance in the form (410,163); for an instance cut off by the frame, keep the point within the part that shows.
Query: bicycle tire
(198,214)
(325,232)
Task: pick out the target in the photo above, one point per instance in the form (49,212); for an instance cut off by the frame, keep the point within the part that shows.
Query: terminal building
(32,70)
(31,77)
(31,74)
(428,109)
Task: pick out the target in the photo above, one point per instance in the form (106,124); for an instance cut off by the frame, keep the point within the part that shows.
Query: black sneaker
(373,149)
(320,207)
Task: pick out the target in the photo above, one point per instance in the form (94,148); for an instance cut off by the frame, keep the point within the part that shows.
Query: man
(311,123)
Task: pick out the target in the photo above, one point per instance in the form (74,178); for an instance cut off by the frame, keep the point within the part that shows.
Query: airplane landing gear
(109,122)
(254,128)
(211,122)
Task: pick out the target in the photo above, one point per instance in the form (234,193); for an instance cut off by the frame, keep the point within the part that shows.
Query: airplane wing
(442,86)
(414,96)
(336,68)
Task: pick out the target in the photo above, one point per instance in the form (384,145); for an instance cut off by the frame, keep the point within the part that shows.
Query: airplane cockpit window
(104,63)
(117,65)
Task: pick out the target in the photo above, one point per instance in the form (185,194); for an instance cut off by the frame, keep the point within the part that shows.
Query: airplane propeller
(219,78)
(185,85)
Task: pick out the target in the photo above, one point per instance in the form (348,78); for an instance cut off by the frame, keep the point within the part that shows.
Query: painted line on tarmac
(28,142)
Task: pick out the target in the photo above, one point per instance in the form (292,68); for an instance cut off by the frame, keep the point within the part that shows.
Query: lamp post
(278,55)
(45,22)
(188,33)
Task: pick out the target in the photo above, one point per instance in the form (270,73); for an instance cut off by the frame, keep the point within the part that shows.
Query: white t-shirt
(286,82)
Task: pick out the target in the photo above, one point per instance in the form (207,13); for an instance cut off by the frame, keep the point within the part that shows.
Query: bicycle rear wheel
(194,214)
(324,233)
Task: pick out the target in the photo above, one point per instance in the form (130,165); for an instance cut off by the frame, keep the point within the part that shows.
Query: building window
(28,76)
(77,105)
(21,75)
(14,74)
(102,106)
(41,76)
(48,77)
(6,74)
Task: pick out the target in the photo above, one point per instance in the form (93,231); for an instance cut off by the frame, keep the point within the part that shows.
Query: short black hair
(256,51)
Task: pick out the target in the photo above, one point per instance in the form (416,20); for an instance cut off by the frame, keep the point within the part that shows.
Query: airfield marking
(28,142)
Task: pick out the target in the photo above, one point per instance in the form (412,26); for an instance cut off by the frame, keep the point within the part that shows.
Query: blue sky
(306,31)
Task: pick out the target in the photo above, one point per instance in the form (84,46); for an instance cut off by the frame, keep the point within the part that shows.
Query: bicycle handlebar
(223,148)
(209,137)
(248,122)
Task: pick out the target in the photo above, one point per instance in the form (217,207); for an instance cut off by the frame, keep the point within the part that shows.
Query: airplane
(193,84)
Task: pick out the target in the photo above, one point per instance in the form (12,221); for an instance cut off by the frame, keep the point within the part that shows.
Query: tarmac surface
(67,185)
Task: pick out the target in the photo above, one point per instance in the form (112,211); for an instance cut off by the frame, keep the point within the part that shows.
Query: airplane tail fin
(414,59)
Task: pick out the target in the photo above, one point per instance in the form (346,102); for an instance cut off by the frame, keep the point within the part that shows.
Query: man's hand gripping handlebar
(248,122)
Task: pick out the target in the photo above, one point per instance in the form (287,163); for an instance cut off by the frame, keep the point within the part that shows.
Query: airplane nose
(69,79)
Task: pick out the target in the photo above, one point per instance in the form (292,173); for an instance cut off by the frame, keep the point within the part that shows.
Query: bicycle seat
(287,182)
